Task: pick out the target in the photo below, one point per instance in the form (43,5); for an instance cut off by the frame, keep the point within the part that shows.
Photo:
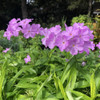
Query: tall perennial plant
(76,40)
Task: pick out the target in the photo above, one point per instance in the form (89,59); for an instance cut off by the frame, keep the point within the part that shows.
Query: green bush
(83,19)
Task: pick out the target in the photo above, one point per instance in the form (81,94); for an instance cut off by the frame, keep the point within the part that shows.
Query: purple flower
(99,56)
(83,63)
(28,31)
(8,34)
(7,49)
(36,28)
(83,36)
(67,60)
(98,45)
(74,39)
(88,45)
(56,29)
(46,33)
(50,42)
(12,29)
(66,26)
(71,32)
(74,46)
(61,42)
(78,25)
(24,22)
(28,59)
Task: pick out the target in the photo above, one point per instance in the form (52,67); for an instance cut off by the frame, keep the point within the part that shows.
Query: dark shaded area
(45,12)
(9,9)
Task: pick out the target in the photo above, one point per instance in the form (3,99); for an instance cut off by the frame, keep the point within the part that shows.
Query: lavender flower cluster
(17,25)
(74,39)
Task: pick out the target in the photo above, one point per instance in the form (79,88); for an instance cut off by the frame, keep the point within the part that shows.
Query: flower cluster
(74,39)
(17,25)
(13,28)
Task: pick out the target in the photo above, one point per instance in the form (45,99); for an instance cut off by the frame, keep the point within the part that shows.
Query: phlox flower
(50,42)
(6,50)
(12,29)
(83,35)
(50,36)
(74,46)
(66,26)
(79,25)
(28,31)
(8,34)
(36,28)
(70,32)
(43,31)
(98,45)
(46,34)
(88,45)
(24,22)
(56,29)
(14,21)
(61,42)
(74,39)
(83,63)
(27,59)
(67,60)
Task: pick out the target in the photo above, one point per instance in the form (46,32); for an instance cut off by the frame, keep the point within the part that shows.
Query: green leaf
(31,79)
(85,74)
(72,78)
(98,95)
(69,96)
(79,94)
(27,85)
(92,86)
(62,89)
(12,81)
(41,61)
(40,88)
(23,97)
(97,78)
(51,97)
(68,66)
(82,84)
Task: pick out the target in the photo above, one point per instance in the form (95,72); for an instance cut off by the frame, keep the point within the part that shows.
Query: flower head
(24,22)
(74,39)
(98,45)
(67,60)
(83,63)
(27,59)
(99,56)
(7,49)
(12,29)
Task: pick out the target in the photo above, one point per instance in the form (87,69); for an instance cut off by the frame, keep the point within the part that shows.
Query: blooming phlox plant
(17,25)
(74,39)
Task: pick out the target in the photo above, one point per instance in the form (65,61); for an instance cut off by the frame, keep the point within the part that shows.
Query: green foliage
(83,19)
